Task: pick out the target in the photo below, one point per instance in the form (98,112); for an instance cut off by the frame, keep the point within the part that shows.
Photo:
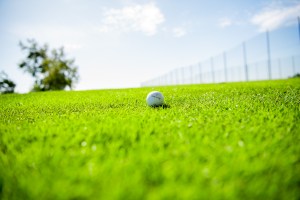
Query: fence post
(225,66)
(279,68)
(176,78)
(245,61)
(212,69)
(294,65)
(269,55)
(191,71)
(182,75)
(299,27)
(160,80)
(256,71)
(200,73)
(168,78)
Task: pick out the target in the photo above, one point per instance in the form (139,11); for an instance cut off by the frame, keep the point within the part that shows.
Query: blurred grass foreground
(214,141)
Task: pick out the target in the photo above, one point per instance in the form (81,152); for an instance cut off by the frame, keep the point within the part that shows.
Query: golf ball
(155,98)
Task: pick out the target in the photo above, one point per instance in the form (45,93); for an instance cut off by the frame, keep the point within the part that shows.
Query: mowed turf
(216,141)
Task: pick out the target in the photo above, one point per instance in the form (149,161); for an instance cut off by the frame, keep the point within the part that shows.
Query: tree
(6,85)
(296,75)
(51,70)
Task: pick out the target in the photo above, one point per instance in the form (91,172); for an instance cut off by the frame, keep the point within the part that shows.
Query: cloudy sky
(121,43)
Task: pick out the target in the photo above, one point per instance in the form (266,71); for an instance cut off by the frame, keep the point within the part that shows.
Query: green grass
(217,141)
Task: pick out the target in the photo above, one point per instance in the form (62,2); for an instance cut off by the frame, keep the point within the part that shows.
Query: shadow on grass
(164,106)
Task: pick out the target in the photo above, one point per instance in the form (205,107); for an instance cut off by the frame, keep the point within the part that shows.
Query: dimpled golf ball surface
(155,98)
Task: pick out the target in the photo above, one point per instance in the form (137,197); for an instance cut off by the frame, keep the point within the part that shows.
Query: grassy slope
(234,141)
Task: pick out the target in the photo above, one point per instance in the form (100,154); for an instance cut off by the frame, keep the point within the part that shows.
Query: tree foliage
(50,68)
(296,75)
(6,85)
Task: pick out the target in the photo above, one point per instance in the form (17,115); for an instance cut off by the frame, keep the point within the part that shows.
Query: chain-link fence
(270,55)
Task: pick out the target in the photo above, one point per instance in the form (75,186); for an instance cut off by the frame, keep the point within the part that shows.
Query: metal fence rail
(270,55)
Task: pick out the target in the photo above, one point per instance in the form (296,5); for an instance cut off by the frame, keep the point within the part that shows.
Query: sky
(121,43)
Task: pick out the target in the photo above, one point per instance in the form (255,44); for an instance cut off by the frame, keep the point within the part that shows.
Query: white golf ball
(155,98)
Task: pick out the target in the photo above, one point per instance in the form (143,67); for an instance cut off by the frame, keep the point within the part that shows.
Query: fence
(270,55)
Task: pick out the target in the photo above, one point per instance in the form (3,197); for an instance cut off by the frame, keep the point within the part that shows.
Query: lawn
(214,141)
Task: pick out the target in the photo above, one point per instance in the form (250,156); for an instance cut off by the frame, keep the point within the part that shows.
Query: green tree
(51,69)
(6,85)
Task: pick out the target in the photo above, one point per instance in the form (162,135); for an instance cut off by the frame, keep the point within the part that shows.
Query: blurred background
(129,43)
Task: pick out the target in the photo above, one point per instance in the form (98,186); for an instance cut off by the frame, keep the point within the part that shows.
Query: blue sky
(121,43)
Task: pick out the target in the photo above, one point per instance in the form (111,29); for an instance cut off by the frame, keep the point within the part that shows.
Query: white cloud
(224,22)
(142,18)
(273,17)
(70,47)
(179,32)
(53,34)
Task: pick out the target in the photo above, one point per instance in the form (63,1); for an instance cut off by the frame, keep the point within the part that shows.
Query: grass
(217,141)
